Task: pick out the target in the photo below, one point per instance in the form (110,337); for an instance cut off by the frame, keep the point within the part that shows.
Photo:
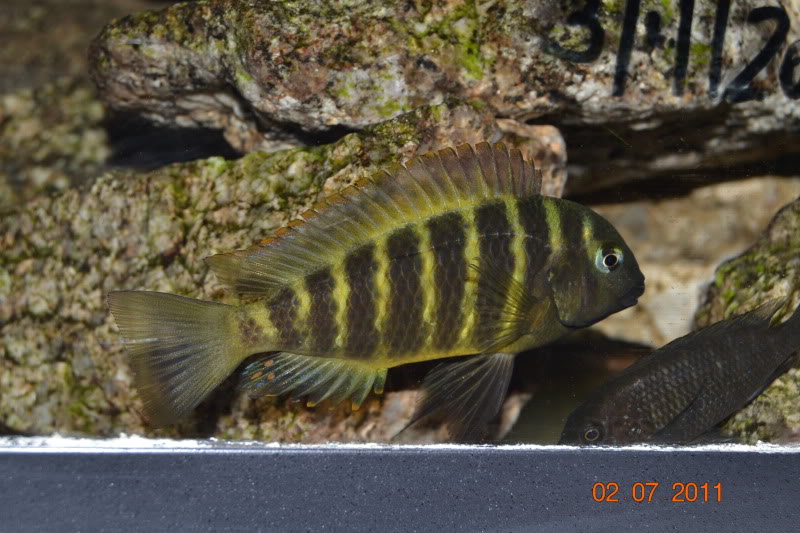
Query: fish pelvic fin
(317,378)
(180,349)
(468,392)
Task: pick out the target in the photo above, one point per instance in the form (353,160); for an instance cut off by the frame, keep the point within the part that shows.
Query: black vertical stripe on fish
(404,331)
(322,312)
(494,237)
(283,315)
(572,225)
(448,242)
(533,220)
(362,335)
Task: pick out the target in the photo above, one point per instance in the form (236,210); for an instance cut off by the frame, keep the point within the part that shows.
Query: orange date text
(649,491)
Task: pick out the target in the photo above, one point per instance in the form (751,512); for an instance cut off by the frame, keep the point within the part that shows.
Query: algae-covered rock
(617,75)
(62,367)
(51,137)
(769,269)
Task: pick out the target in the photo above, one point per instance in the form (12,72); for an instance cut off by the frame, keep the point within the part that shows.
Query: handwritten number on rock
(717,40)
(587,17)
(626,46)
(682,50)
(790,86)
(741,89)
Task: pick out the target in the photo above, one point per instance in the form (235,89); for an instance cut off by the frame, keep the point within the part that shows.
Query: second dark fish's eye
(611,260)
(591,435)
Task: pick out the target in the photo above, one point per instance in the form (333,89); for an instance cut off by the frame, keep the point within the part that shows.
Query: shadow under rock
(140,144)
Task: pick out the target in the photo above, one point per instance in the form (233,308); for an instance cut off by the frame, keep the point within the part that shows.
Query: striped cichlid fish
(681,391)
(455,253)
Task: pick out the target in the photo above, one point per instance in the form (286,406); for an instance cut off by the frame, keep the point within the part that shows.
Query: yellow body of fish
(455,253)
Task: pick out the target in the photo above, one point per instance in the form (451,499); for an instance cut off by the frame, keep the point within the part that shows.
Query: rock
(51,137)
(62,367)
(768,269)
(772,417)
(47,39)
(270,76)
(680,241)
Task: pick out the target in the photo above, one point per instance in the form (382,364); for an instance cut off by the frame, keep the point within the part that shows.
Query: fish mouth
(630,298)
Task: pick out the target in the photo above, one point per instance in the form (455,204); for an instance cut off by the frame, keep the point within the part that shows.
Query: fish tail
(180,349)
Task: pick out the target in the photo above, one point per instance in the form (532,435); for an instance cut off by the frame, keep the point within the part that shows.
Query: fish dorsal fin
(423,187)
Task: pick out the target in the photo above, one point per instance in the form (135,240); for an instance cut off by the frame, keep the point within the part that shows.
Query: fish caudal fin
(317,378)
(180,349)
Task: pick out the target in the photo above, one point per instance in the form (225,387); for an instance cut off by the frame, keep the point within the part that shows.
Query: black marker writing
(720,25)
(626,46)
(791,88)
(741,89)
(682,49)
(652,25)
(587,17)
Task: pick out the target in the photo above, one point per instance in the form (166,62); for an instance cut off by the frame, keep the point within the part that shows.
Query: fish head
(586,426)
(596,429)
(611,416)
(594,274)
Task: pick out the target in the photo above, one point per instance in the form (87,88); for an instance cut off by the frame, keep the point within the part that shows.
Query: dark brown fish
(679,392)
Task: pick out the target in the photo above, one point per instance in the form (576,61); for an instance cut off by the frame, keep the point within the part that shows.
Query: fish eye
(608,260)
(591,434)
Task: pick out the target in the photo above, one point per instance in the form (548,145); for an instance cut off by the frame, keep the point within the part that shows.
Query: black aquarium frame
(259,487)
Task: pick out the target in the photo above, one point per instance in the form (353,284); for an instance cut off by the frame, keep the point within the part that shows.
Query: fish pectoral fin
(469,392)
(505,305)
(685,421)
(317,378)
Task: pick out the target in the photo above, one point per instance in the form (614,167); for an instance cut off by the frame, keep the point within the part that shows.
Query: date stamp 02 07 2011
(646,492)
(740,89)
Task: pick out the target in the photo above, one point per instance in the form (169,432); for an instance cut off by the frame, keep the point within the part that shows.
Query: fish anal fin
(468,392)
(316,378)
(423,187)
